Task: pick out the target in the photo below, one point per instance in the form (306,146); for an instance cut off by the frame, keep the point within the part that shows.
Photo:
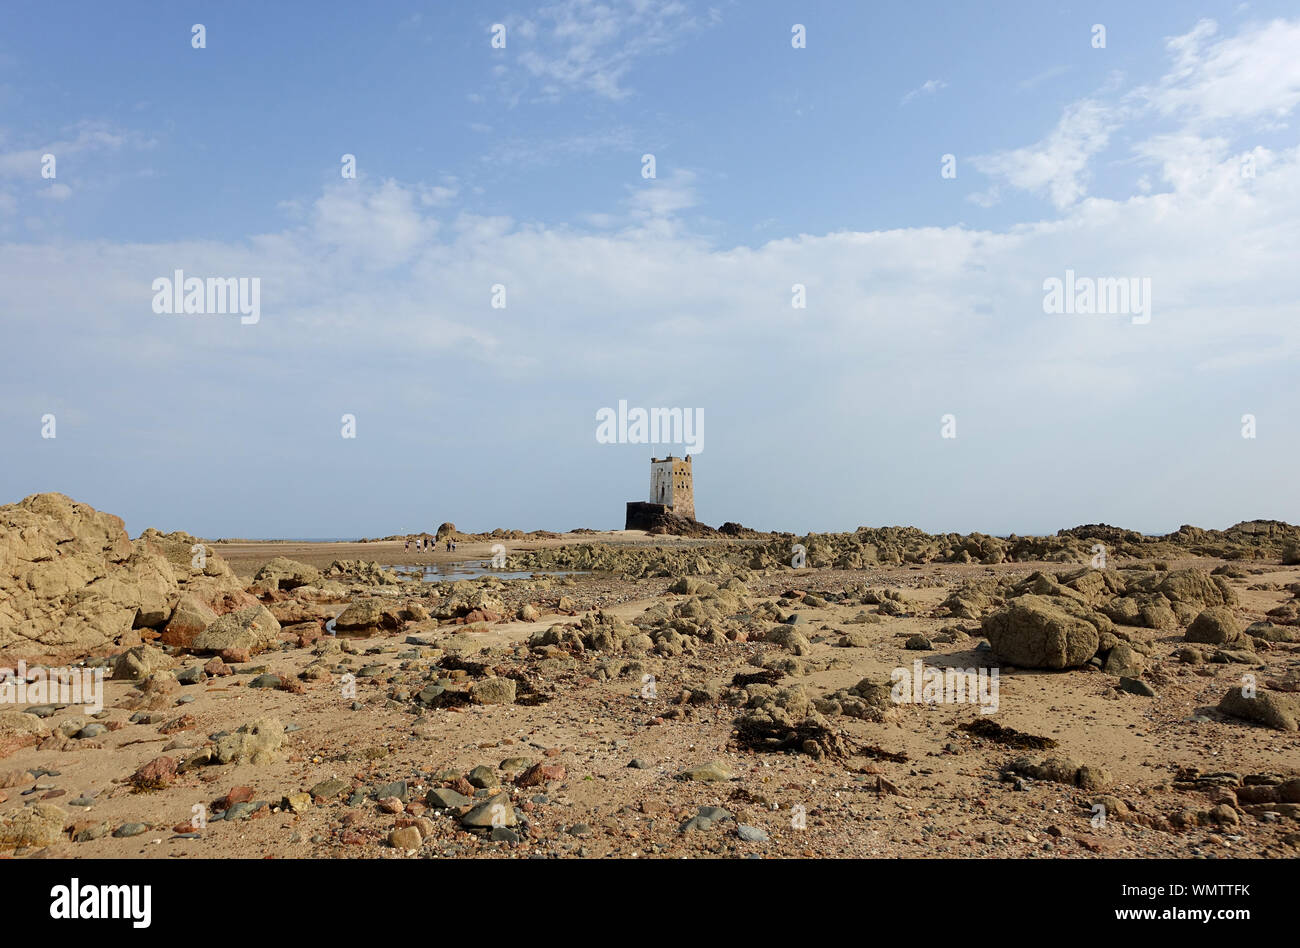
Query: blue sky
(522,166)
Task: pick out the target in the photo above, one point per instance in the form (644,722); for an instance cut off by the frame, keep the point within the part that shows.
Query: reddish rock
(236,795)
(1092,843)
(217,668)
(235,656)
(155,775)
(183,723)
(307,636)
(539,774)
(463,787)
(292,685)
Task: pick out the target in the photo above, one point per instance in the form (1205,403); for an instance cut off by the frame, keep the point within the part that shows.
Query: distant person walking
(408,543)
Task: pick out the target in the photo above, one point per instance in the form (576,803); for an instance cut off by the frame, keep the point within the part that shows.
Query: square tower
(672,485)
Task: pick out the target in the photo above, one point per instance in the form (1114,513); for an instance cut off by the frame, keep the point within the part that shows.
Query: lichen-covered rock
(40,824)
(1197,587)
(712,772)
(493,691)
(1214,626)
(1276,709)
(1124,661)
(1062,770)
(256,742)
(869,700)
(1035,631)
(790,639)
(136,664)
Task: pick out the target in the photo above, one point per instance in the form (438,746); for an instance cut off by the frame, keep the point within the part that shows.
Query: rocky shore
(653,696)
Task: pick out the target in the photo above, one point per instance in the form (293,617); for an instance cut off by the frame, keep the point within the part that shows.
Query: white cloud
(438,195)
(659,199)
(1057,166)
(929,87)
(591,46)
(381,226)
(1253,74)
(26,163)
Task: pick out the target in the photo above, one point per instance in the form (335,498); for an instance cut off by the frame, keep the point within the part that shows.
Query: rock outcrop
(72,582)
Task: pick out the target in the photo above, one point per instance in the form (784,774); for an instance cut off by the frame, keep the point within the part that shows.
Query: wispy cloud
(87,136)
(929,87)
(549,150)
(591,46)
(1045,76)
(1057,166)
(1253,74)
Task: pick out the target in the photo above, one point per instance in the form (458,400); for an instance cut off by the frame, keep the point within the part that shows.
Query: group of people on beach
(422,544)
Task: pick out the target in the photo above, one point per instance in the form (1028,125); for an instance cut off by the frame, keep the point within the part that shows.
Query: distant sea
(290,540)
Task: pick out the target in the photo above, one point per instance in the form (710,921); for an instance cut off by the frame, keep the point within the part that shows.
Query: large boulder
(249,630)
(137,664)
(1034,631)
(1214,626)
(369,616)
(284,573)
(199,571)
(1124,661)
(190,617)
(1198,588)
(71,581)
(1276,709)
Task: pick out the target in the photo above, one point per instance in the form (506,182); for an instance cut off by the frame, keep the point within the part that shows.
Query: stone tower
(672,485)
